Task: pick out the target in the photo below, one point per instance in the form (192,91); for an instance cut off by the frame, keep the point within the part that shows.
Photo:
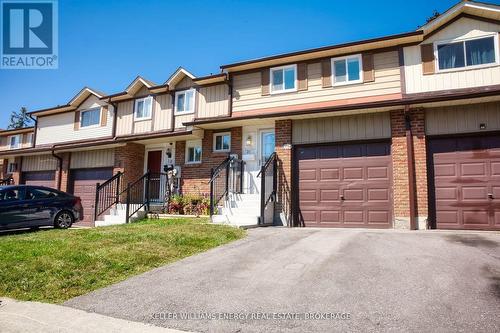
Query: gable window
(222,142)
(90,118)
(466,53)
(283,79)
(184,101)
(193,152)
(143,108)
(15,141)
(346,70)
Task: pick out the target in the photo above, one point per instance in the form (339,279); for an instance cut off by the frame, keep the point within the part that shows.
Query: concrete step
(242,221)
(240,211)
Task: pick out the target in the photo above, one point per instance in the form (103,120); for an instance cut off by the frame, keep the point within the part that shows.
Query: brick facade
(16,175)
(283,145)
(130,160)
(63,172)
(195,177)
(420,157)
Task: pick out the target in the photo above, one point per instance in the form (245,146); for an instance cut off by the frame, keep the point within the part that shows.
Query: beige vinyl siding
(462,119)
(92,159)
(4,141)
(60,127)
(185,83)
(342,128)
(142,126)
(213,101)
(125,118)
(163,112)
(416,82)
(39,163)
(247,93)
(182,119)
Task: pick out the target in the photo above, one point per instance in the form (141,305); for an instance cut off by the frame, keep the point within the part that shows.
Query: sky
(106,44)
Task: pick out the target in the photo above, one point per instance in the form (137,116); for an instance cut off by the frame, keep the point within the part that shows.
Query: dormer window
(283,79)
(472,53)
(184,101)
(143,108)
(15,141)
(90,118)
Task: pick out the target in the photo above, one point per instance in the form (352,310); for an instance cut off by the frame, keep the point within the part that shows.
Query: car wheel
(63,220)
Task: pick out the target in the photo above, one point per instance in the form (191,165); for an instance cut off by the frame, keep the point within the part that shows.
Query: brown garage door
(464,183)
(83,184)
(39,178)
(345,185)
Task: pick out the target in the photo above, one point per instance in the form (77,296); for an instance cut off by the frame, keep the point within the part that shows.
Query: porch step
(240,210)
(117,215)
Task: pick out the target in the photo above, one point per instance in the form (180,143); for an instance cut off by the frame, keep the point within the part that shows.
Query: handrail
(231,183)
(107,194)
(264,197)
(269,160)
(140,193)
(6,181)
(218,169)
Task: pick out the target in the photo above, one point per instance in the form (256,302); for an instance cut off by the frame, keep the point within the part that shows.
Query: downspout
(59,174)
(115,114)
(35,120)
(411,169)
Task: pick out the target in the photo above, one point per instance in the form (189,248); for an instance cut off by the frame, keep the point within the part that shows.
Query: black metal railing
(160,189)
(6,181)
(107,194)
(137,196)
(268,185)
(226,178)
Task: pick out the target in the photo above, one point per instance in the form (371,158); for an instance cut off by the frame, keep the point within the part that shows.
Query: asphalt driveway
(352,280)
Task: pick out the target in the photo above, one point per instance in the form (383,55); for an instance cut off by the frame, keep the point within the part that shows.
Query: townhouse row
(400,131)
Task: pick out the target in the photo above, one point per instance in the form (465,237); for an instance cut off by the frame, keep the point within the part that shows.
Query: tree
(20,119)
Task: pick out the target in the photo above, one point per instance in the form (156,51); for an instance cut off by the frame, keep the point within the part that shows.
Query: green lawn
(55,265)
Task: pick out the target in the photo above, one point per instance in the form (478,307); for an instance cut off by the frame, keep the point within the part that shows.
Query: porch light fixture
(249,140)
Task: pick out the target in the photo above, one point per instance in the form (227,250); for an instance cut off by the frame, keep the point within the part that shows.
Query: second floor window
(467,53)
(90,117)
(143,108)
(184,102)
(346,70)
(283,79)
(15,142)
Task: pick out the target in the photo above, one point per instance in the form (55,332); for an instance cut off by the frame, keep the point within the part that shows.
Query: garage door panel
(39,178)
(378,194)
(330,216)
(330,174)
(460,199)
(378,216)
(306,175)
(329,195)
(377,173)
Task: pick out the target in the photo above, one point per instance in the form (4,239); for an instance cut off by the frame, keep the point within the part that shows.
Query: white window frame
(90,110)
(193,144)
(144,101)
(463,40)
(346,58)
(222,134)
(19,139)
(11,167)
(295,84)
(30,138)
(183,92)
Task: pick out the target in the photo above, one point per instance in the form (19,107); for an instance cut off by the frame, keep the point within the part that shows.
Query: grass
(55,265)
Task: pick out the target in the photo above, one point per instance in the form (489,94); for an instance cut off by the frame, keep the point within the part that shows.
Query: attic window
(184,102)
(90,118)
(466,53)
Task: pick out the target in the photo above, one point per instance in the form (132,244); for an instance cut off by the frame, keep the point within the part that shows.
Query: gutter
(35,129)
(60,166)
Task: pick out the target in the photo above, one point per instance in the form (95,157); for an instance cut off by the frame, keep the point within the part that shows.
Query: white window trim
(465,68)
(271,70)
(91,126)
(30,138)
(177,93)
(215,140)
(135,108)
(347,82)
(19,141)
(193,144)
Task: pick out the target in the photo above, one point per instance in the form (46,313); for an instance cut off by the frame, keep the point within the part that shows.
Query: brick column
(64,172)
(3,172)
(283,145)
(129,159)
(420,157)
(400,171)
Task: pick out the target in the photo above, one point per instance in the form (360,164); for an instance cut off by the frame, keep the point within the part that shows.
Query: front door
(265,148)
(154,166)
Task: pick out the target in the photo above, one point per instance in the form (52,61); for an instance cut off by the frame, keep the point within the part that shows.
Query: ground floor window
(193,151)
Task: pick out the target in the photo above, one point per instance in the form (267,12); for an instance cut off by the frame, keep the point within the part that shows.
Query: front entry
(154,166)
(344,185)
(259,148)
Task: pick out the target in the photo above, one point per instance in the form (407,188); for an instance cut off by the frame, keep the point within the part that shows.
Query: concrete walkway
(41,317)
(428,281)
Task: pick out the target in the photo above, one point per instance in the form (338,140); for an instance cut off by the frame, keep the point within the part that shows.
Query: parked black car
(26,206)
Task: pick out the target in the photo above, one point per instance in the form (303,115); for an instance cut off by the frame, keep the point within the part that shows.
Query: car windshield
(40,193)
